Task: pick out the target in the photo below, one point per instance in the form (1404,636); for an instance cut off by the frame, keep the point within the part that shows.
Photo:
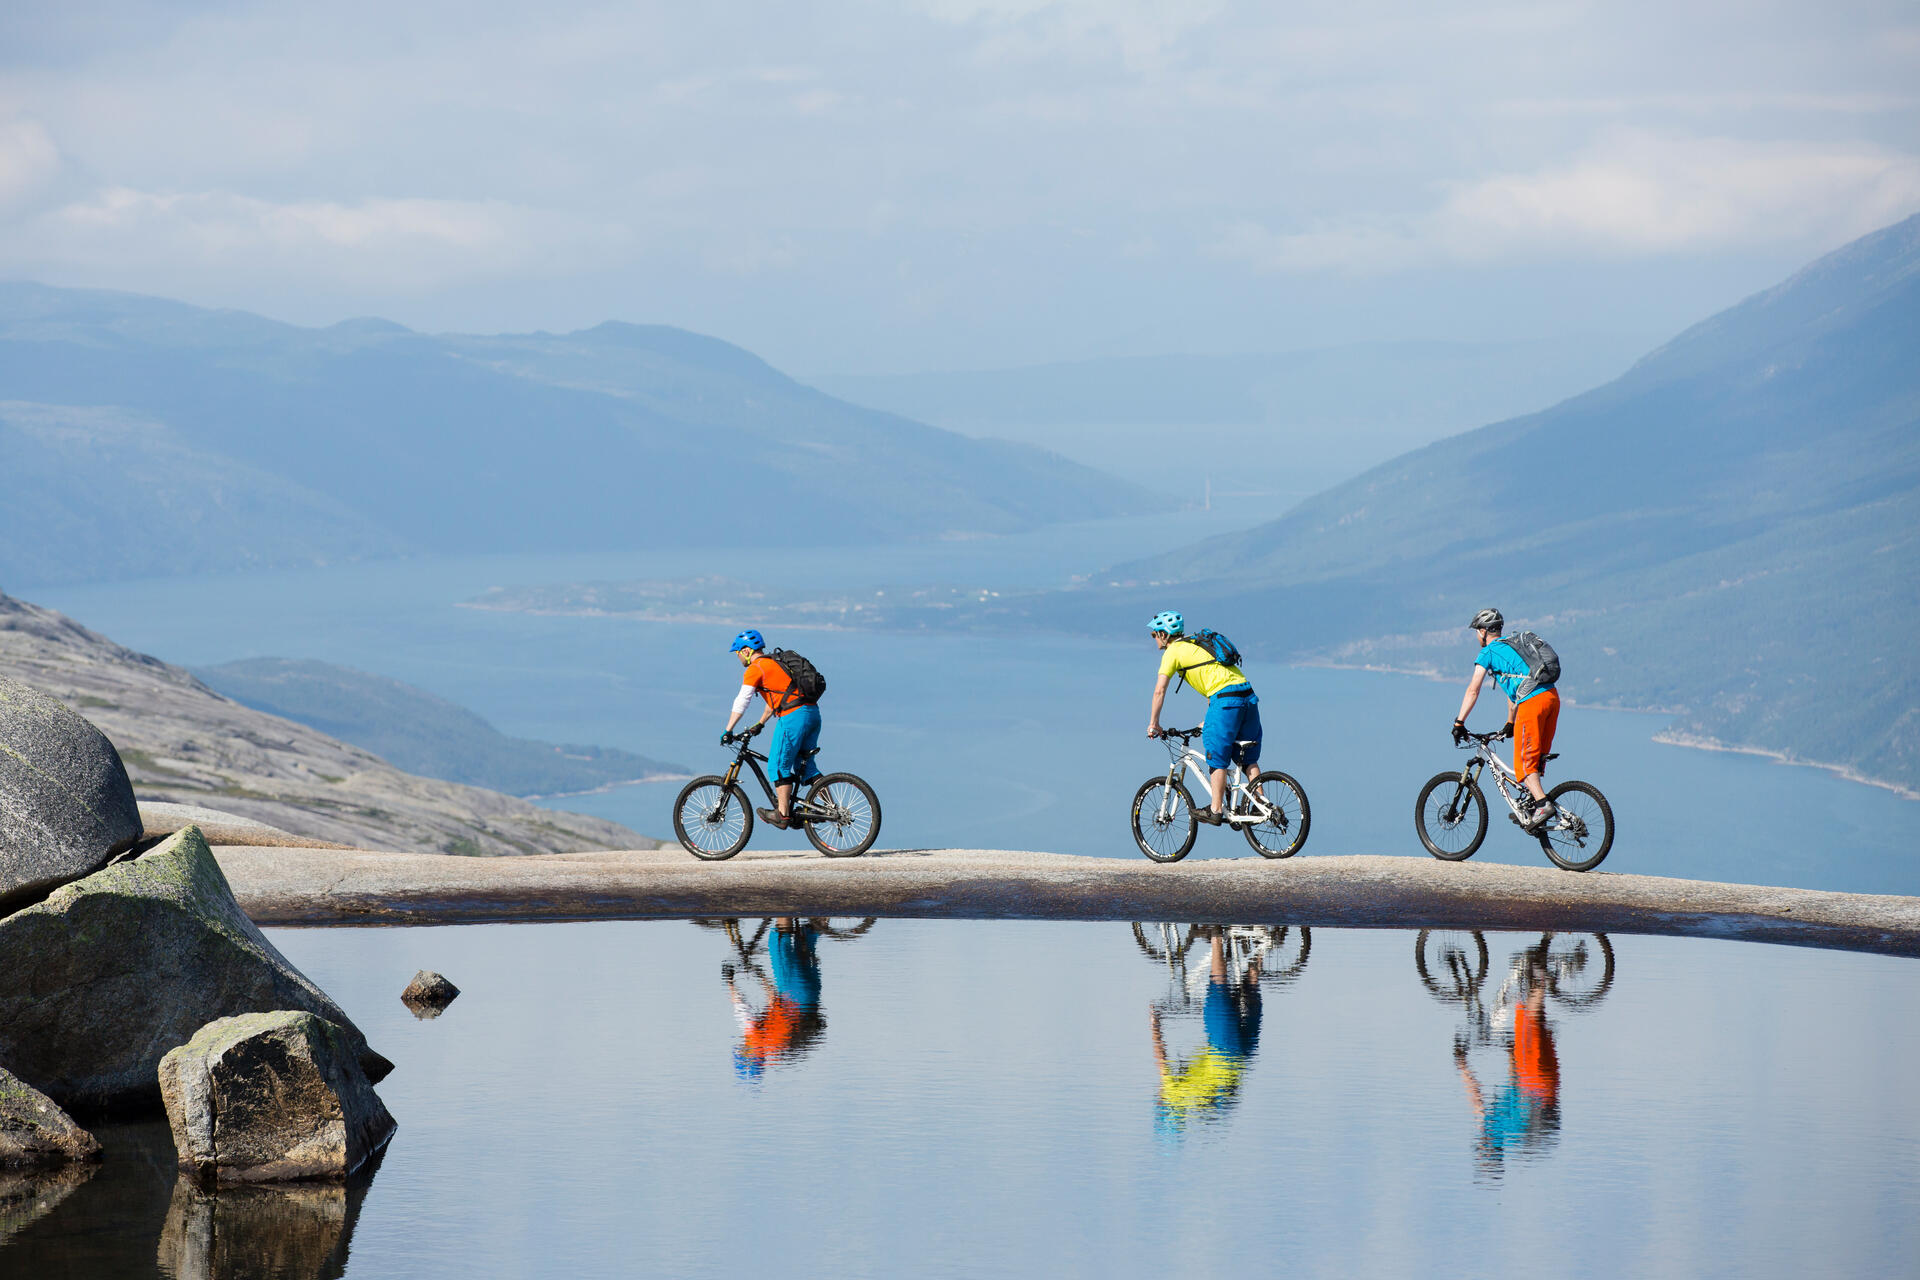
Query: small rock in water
(271,1097)
(34,1132)
(429,994)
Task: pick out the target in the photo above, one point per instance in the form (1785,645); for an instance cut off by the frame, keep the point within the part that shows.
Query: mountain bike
(1276,953)
(1271,812)
(1577,970)
(714,818)
(1451,813)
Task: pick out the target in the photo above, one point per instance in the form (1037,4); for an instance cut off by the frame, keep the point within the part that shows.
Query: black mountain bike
(714,818)
(1451,813)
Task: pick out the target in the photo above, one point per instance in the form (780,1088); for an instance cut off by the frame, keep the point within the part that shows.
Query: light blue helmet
(1170,622)
(748,639)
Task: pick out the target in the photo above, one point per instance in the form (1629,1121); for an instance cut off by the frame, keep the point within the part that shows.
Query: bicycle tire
(858,826)
(1176,834)
(1559,953)
(714,828)
(1157,954)
(1293,966)
(1473,820)
(1287,839)
(1565,844)
(828,930)
(1461,982)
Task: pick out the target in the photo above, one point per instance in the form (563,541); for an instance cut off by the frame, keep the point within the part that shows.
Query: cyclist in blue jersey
(1531,720)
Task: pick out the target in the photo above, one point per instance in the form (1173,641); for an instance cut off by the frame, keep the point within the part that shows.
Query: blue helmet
(1170,622)
(748,639)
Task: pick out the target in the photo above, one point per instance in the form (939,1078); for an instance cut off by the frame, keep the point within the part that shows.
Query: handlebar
(1185,735)
(1482,738)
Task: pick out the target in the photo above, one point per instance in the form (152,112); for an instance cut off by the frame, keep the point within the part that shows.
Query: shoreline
(283,887)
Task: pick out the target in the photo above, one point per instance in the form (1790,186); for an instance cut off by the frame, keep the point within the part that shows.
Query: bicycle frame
(1504,779)
(1240,790)
(753,760)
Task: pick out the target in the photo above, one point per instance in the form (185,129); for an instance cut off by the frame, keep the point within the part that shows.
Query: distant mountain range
(1285,424)
(413,730)
(1731,531)
(147,437)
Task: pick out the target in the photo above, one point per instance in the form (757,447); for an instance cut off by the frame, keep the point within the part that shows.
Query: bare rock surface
(66,805)
(160,818)
(271,1097)
(107,974)
(35,1133)
(283,886)
(185,744)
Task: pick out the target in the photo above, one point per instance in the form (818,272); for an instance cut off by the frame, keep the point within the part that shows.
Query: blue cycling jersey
(1508,669)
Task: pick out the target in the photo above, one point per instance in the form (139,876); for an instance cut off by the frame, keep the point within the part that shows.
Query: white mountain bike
(1272,813)
(1451,813)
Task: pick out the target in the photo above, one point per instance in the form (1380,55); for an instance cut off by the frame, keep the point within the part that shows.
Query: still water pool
(856,1098)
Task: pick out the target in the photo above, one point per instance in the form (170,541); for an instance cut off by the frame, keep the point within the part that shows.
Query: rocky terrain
(184,743)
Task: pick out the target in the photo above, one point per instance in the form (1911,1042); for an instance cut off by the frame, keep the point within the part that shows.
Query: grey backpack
(1543,664)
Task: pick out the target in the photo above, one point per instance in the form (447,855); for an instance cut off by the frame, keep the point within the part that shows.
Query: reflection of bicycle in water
(1271,811)
(1202,1085)
(787,1019)
(1574,969)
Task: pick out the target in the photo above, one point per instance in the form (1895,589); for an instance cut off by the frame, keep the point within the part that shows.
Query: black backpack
(805,683)
(1216,644)
(1543,664)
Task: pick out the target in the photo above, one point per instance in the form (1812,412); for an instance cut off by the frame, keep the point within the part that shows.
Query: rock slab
(271,1097)
(35,1133)
(99,981)
(66,806)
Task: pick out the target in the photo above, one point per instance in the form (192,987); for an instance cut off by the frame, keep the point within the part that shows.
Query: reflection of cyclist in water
(791,1020)
(1206,1084)
(1525,1117)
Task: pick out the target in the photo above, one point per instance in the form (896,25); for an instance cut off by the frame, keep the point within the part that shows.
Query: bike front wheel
(1581,834)
(1281,833)
(1163,821)
(1452,963)
(849,820)
(1451,817)
(712,819)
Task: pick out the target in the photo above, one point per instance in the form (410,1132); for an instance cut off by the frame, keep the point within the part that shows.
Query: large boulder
(107,974)
(66,807)
(34,1132)
(271,1097)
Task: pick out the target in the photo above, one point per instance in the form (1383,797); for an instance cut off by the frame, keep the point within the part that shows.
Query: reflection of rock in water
(297,1231)
(103,1226)
(26,1197)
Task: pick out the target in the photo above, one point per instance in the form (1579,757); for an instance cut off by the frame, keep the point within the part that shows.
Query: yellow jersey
(1204,674)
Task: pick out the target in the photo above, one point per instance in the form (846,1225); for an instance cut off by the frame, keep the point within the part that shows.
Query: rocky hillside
(184,743)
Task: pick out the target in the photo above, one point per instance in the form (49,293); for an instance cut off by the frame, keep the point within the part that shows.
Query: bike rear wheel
(1451,817)
(850,820)
(1581,834)
(1164,837)
(712,819)
(1579,967)
(1282,834)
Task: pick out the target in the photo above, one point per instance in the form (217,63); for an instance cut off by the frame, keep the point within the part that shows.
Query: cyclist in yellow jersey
(1231,733)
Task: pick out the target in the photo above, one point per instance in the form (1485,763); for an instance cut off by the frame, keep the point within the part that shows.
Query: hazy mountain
(184,743)
(1731,530)
(1288,424)
(412,729)
(368,439)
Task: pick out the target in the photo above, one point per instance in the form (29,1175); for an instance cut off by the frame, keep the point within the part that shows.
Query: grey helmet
(1488,620)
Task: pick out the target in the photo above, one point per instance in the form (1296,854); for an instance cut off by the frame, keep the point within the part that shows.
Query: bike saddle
(814,751)
(1244,742)
(1553,755)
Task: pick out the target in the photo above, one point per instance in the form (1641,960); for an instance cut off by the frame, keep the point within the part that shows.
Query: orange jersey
(773,1032)
(772,682)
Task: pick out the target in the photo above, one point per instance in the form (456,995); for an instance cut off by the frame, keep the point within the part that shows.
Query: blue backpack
(1213,642)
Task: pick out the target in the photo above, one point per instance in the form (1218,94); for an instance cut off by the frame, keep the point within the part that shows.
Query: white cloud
(29,162)
(406,243)
(1632,195)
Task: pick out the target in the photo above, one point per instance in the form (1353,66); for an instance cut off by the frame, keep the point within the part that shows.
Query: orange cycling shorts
(1533,724)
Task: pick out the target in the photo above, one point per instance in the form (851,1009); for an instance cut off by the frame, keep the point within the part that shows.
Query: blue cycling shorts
(793,733)
(1233,716)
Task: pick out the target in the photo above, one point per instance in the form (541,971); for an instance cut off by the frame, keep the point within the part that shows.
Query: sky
(859,187)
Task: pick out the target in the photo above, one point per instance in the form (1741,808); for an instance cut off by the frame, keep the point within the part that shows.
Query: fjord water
(1015,740)
(984,1098)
